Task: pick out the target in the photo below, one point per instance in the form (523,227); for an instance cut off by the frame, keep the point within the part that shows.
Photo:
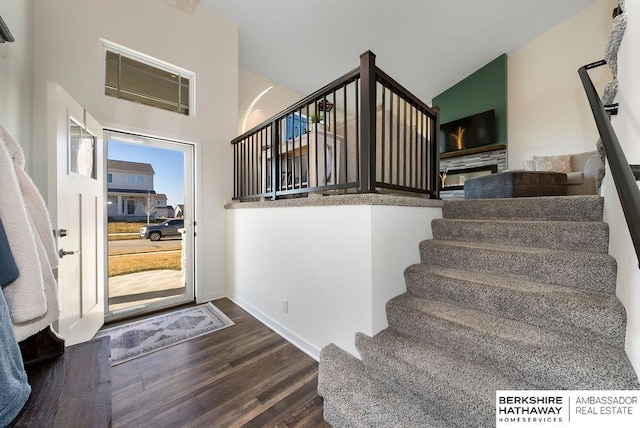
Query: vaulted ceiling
(427,45)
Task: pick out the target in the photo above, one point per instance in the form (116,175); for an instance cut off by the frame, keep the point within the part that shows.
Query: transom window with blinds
(137,77)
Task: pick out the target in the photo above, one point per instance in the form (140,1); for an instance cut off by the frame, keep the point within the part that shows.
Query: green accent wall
(486,89)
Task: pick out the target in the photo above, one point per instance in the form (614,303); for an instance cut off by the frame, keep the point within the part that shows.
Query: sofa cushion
(575,177)
(529,165)
(553,163)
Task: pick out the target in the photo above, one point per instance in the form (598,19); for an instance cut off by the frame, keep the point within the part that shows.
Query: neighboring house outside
(179,211)
(162,210)
(129,184)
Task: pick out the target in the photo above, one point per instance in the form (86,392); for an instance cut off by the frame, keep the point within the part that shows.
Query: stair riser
(557,312)
(573,208)
(572,236)
(593,272)
(554,365)
(334,363)
(457,407)
(333,416)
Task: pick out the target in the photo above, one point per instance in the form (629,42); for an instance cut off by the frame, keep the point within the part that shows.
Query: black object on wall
(5,34)
(469,132)
(617,11)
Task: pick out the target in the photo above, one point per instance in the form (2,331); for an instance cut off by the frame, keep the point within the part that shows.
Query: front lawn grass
(121,265)
(124,227)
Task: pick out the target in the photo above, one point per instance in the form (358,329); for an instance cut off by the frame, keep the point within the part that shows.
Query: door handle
(63,253)
(62,233)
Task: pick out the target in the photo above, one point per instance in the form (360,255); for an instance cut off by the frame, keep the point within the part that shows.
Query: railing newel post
(435,154)
(235,170)
(368,122)
(275,158)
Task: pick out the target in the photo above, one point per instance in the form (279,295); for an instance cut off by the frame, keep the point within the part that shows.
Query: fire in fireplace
(454,179)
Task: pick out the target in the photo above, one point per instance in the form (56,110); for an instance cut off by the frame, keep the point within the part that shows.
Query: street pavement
(143,245)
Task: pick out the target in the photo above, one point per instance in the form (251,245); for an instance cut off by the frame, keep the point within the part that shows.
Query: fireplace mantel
(473,151)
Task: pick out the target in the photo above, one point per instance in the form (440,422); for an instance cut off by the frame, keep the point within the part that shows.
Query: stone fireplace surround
(473,158)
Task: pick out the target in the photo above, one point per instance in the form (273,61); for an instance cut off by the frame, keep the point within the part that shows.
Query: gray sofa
(587,168)
(586,173)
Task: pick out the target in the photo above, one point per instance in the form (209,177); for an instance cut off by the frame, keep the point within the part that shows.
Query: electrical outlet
(285,306)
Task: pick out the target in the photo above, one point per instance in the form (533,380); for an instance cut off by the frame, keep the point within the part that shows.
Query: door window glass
(82,155)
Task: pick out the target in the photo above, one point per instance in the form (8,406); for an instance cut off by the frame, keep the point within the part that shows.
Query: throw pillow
(553,163)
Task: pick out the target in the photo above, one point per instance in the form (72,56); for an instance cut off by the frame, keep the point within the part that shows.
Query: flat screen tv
(468,132)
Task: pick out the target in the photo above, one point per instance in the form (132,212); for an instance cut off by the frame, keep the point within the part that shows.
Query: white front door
(77,187)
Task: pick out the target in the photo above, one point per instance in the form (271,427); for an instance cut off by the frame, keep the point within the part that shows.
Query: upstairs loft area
(362,133)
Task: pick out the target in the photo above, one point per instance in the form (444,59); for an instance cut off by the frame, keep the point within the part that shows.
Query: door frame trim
(138,136)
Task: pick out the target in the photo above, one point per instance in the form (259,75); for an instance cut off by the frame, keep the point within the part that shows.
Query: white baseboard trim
(283,331)
(209,297)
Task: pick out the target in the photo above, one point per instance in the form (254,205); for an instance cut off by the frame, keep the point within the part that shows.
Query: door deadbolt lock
(62,233)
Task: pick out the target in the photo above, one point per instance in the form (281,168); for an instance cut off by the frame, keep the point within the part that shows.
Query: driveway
(135,245)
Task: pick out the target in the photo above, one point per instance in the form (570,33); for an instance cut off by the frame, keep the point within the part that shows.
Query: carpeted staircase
(510,294)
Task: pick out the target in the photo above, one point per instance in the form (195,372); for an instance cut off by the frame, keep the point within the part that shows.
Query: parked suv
(155,232)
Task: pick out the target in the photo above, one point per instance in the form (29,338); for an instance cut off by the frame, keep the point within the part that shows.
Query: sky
(167,164)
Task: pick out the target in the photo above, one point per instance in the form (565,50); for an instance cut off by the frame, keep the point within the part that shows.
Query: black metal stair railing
(361,133)
(621,172)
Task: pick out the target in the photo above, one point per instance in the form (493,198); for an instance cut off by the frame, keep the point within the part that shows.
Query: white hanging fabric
(33,297)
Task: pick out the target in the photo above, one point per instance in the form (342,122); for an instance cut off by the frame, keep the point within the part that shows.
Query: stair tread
(582,207)
(481,322)
(356,398)
(433,362)
(577,223)
(448,383)
(492,338)
(520,249)
(587,314)
(588,236)
(596,299)
(579,269)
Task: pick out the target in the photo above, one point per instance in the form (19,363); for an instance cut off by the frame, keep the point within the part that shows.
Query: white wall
(336,265)
(627,127)
(395,235)
(16,60)
(250,85)
(67,51)
(548,113)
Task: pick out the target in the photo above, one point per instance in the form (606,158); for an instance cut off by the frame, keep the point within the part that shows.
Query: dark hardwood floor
(242,376)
